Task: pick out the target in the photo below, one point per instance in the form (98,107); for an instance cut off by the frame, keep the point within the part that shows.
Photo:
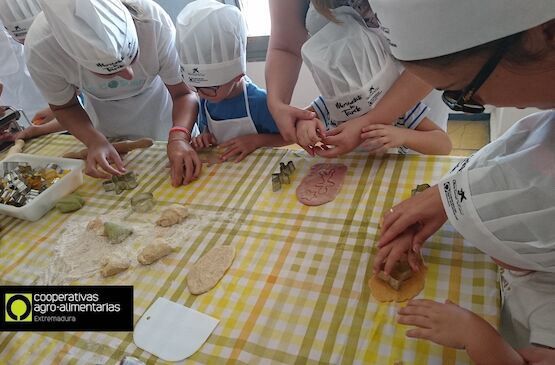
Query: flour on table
(79,251)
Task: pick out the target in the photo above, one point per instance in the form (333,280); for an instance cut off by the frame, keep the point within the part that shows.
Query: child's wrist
(179,133)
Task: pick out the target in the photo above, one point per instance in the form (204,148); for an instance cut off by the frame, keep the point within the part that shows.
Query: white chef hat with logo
(502,199)
(99,34)
(18,15)
(350,64)
(421,29)
(211,42)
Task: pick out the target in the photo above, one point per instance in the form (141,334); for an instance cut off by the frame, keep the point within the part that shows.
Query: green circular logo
(113,84)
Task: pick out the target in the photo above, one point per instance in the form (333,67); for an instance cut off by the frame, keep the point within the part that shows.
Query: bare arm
(403,95)
(244,145)
(185,166)
(284,62)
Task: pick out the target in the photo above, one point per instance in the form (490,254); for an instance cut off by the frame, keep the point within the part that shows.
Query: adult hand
(425,210)
(439,322)
(286,118)
(185,165)
(388,256)
(382,136)
(99,157)
(240,147)
(344,138)
(538,355)
(203,140)
(309,133)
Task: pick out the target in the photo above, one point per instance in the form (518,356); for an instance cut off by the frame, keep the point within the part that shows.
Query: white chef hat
(99,34)
(18,15)
(350,64)
(211,42)
(420,29)
(502,199)
(8,60)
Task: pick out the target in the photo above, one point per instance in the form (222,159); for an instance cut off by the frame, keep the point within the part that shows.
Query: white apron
(142,107)
(224,130)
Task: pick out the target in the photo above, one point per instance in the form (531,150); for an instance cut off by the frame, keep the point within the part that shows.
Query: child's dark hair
(516,54)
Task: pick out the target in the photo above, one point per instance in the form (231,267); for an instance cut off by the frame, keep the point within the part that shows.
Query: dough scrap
(171,215)
(209,269)
(97,226)
(70,203)
(112,265)
(154,251)
(322,184)
(210,155)
(382,292)
(142,202)
(116,233)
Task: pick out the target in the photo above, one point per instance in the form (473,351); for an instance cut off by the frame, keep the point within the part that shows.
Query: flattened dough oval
(209,269)
(322,184)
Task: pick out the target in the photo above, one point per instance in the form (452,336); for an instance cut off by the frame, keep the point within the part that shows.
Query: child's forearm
(403,95)
(270,140)
(47,128)
(434,142)
(485,346)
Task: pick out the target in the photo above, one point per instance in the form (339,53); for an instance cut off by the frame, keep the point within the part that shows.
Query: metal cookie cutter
(10,122)
(127,181)
(283,176)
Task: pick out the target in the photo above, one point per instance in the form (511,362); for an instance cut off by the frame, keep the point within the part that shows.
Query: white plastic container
(38,207)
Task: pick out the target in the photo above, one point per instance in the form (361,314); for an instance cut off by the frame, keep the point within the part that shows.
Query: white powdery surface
(78,252)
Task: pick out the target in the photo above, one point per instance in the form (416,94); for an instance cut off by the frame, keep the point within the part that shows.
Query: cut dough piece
(113,265)
(154,251)
(116,233)
(381,291)
(97,226)
(210,155)
(322,184)
(171,215)
(209,269)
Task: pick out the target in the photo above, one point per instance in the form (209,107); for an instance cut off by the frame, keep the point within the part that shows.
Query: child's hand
(185,165)
(382,136)
(100,156)
(445,324)
(389,255)
(344,138)
(241,146)
(309,133)
(203,140)
(286,118)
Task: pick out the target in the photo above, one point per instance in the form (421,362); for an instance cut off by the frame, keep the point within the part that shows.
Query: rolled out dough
(322,184)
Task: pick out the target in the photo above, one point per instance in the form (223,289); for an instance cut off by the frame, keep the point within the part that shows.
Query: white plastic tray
(37,207)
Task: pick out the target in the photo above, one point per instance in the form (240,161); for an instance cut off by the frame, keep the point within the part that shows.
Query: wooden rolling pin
(121,147)
(16,148)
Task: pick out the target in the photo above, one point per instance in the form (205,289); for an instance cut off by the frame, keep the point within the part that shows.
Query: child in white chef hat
(233,113)
(353,69)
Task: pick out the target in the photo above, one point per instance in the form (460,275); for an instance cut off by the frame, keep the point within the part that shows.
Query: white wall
(305,91)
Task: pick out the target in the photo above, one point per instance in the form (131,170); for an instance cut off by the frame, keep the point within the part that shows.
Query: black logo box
(121,320)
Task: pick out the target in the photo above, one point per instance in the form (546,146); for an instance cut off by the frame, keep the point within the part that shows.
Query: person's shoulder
(40,44)
(254,91)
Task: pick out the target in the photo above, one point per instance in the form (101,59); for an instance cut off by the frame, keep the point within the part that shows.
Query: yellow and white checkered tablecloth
(297,291)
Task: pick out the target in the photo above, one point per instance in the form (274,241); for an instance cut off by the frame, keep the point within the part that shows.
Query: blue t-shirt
(235,108)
